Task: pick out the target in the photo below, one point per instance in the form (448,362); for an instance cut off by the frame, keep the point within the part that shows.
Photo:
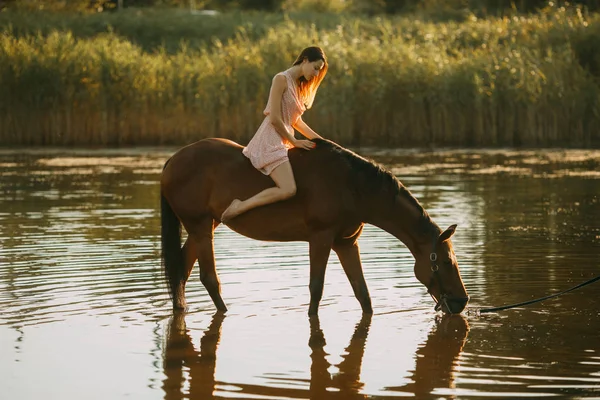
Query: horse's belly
(272,229)
(275,237)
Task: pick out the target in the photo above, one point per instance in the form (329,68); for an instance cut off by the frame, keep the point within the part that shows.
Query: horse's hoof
(221,307)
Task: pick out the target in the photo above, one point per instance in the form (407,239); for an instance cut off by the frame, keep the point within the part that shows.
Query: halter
(443,300)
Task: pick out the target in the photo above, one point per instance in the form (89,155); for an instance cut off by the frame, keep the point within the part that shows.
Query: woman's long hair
(308,89)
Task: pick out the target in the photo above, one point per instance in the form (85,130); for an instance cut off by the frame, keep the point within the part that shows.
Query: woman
(292,92)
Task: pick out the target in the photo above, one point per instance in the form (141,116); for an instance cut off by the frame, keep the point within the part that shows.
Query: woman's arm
(306,130)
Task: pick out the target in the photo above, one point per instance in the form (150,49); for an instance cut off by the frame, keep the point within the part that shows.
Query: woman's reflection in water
(437,357)
(181,355)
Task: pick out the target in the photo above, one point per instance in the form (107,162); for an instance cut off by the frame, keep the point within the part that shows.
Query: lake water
(85,313)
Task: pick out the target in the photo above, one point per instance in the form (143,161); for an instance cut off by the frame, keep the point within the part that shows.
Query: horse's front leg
(320,248)
(349,256)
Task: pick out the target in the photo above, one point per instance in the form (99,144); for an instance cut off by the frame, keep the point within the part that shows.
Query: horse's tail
(172,253)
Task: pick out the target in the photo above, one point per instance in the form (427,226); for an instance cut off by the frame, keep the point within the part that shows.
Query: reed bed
(398,82)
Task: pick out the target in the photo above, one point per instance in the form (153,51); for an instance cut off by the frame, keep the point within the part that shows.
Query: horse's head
(437,269)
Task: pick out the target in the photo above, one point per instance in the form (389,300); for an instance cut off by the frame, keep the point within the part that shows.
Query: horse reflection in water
(435,363)
(347,380)
(181,354)
(437,358)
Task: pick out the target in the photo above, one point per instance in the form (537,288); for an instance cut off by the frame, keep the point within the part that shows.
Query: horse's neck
(402,219)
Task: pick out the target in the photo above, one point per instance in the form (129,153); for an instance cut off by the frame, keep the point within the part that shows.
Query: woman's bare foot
(231,211)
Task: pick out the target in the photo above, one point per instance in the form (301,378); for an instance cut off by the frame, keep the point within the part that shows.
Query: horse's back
(207,151)
(202,158)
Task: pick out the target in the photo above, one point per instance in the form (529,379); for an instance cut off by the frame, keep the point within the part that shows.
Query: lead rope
(479,311)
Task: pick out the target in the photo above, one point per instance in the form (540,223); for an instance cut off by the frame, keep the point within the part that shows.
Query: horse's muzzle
(452,305)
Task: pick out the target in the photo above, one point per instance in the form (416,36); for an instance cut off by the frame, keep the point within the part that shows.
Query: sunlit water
(85,312)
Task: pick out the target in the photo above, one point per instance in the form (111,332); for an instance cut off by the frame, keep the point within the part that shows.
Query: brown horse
(337,193)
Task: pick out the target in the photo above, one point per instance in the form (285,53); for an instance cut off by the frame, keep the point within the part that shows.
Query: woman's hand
(304,144)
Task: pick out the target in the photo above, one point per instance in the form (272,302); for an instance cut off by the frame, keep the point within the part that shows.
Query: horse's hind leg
(189,252)
(189,255)
(349,255)
(202,233)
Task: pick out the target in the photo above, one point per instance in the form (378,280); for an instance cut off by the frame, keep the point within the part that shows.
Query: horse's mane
(377,179)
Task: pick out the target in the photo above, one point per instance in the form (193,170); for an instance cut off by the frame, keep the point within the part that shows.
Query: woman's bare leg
(283,176)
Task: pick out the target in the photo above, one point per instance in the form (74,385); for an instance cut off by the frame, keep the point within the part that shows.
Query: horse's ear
(447,233)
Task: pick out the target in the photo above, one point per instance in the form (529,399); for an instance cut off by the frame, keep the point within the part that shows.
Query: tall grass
(525,80)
